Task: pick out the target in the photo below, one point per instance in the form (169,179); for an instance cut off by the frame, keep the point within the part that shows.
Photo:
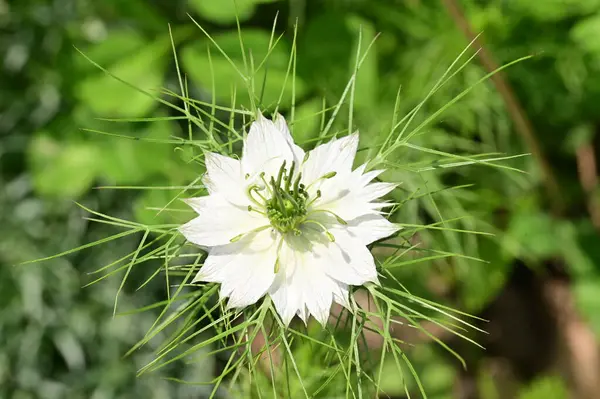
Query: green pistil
(285,202)
(287,207)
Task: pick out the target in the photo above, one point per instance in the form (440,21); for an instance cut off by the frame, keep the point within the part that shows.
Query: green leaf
(544,388)
(147,208)
(133,161)
(118,44)
(366,86)
(109,97)
(534,233)
(197,64)
(62,169)
(554,10)
(483,281)
(586,33)
(225,11)
(307,121)
(579,248)
(325,51)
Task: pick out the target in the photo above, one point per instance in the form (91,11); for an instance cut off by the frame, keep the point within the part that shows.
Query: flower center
(287,207)
(287,203)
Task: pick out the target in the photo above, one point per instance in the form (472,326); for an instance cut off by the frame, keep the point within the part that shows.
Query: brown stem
(522,124)
(579,342)
(586,168)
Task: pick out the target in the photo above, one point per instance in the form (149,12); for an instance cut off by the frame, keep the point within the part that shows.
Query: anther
(252,209)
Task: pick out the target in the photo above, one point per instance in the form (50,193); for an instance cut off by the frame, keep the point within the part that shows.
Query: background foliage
(58,340)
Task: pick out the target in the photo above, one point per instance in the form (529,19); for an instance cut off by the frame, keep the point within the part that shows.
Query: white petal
(287,298)
(370,228)
(341,295)
(224,176)
(376,190)
(349,198)
(302,286)
(334,156)
(245,268)
(282,126)
(265,148)
(346,260)
(219,221)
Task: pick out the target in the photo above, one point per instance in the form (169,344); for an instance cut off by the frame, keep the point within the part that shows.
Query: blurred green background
(540,291)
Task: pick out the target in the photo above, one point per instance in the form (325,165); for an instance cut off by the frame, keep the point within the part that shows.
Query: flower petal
(245,268)
(352,196)
(266,147)
(224,176)
(282,126)
(219,221)
(334,156)
(341,295)
(287,298)
(346,260)
(370,228)
(302,286)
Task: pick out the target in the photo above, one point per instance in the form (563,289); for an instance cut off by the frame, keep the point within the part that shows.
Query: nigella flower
(288,224)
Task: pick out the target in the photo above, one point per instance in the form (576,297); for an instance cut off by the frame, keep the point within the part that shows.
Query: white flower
(291,225)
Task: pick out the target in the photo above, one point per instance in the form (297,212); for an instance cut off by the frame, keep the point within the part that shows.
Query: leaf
(118,44)
(325,51)
(483,281)
(543,388)
(147,208)
(62,169)
(133,161)
(554,10)
(109,97)
(307,120)
(534,232)
(586,33)
(366,86)
(197,64)
(225,11)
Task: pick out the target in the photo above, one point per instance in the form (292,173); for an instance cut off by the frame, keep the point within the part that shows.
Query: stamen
(326,176)
(314,199)
(251,209)
(339,219)
(255,189)
(262,177)
(321,225)
(277,264)
(256,230)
